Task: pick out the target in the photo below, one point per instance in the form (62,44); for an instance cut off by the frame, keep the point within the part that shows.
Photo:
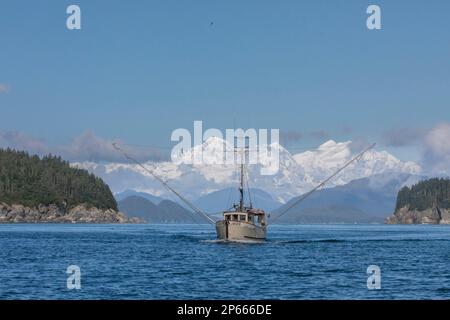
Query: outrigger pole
(306,195)
(166,185)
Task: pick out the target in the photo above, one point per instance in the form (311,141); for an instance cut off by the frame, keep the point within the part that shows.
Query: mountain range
(297,173)
(364,192)
(366,200)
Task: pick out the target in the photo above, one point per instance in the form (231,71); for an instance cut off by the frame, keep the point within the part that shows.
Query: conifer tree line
(426,194)
(31,181)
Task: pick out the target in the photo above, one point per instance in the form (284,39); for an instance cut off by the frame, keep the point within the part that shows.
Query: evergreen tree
(425,194)
(30,180)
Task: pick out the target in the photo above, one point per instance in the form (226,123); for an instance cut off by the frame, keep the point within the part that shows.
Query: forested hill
(32,181)
(424,195)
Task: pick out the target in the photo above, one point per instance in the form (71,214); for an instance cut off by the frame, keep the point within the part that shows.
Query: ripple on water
(187,262)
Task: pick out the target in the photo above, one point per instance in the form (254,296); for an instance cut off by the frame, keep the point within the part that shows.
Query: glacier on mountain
(297,173)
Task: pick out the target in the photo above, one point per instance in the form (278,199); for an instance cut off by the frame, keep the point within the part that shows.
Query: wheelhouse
(253,217)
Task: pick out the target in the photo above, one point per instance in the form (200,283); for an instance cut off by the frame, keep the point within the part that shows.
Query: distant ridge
(166,211)
(366,200)
(125,194)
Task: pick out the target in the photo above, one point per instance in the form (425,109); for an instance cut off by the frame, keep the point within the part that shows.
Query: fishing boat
(243,222)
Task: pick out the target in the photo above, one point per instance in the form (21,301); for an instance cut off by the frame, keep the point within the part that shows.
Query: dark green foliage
(425,194)
(30,180)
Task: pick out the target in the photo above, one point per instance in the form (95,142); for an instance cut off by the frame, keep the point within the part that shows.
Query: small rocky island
(427,202)
(49,190)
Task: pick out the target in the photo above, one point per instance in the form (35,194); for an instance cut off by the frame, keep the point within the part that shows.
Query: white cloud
(89,147)
(85,147)
(436,156)
(432,143)
(20,141)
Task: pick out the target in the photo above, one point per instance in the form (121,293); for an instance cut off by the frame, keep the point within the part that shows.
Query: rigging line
(189,204)
(155,168)
(170,197)
(357,157)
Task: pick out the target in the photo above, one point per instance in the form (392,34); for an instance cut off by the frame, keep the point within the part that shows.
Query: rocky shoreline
(18,213)
(429,216)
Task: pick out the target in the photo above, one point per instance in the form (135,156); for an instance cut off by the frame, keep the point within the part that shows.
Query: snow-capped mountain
(296,175)
(328,157)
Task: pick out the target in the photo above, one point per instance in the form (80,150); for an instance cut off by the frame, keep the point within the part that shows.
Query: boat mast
(241,178)
(241,189)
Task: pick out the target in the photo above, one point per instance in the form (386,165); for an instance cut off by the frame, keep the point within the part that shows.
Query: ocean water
(184,262)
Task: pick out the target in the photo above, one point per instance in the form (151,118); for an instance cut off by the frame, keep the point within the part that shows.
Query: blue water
(183,262)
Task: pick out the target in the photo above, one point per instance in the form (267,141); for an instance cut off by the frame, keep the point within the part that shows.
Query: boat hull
(240,231)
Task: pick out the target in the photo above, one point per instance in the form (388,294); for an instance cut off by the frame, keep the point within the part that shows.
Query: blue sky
(138,70)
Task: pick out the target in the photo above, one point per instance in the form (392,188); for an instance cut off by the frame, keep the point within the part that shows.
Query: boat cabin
(253,217)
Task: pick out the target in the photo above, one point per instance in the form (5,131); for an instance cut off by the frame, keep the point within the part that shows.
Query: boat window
(235,217)
(227,217)
(242,217)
